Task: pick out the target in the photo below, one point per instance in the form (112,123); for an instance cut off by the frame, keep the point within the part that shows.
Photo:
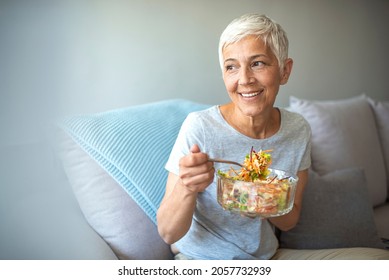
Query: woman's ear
(288,65)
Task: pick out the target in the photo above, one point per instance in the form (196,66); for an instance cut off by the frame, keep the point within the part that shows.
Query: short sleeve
(191,133)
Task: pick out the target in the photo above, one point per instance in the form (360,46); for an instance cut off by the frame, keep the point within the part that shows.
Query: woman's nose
(245,76)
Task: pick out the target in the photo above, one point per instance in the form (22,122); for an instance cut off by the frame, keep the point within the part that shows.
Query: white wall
(80,56)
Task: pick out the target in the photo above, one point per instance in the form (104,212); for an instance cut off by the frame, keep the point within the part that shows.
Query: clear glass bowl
(260,199)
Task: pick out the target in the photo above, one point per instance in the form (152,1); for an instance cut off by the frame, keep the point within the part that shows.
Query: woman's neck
(258,127)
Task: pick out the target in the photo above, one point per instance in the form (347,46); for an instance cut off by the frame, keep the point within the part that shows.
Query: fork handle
(224,161)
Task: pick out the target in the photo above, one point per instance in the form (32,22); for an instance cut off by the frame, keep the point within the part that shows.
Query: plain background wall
(80,56)
(60,57)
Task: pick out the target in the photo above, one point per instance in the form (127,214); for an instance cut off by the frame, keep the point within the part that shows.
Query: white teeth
(250,94)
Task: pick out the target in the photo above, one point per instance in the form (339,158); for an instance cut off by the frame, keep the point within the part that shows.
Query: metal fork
(225,161)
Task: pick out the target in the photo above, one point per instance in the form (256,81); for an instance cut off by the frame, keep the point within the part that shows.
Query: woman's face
(252,75)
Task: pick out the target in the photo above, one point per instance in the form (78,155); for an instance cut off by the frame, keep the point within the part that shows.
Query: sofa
(114,162)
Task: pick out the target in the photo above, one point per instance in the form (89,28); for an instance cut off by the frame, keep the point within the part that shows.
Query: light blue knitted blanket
(133,144)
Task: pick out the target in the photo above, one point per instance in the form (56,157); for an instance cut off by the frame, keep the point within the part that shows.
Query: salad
(255,188)
(255,167)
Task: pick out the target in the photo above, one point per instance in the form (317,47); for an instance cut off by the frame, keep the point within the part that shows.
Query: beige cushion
(344,134)
(357,253)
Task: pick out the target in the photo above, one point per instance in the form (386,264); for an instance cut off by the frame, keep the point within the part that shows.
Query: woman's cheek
(230,85)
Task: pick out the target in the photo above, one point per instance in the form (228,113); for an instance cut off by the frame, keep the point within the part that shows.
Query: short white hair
(270,32)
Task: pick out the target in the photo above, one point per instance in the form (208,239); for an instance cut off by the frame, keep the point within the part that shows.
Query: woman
(253,52)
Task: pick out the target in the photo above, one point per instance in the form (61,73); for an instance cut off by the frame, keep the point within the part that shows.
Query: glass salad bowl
(268,198)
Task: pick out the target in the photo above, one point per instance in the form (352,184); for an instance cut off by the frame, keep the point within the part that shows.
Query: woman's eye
(229,67)
(258,64)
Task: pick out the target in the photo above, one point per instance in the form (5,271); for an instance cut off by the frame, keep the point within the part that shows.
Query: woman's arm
(289,221)
(174,216)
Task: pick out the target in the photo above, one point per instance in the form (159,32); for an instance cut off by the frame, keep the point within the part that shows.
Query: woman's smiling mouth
(250,94)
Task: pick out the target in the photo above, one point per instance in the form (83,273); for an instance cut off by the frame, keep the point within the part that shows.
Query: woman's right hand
(176,210)
(196,172)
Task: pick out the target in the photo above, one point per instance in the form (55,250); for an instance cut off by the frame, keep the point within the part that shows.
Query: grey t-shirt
(219,234)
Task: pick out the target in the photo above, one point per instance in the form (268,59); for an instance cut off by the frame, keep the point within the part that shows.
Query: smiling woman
(253,52)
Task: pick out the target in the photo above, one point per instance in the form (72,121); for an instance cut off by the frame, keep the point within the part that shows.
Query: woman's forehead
(249,47)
